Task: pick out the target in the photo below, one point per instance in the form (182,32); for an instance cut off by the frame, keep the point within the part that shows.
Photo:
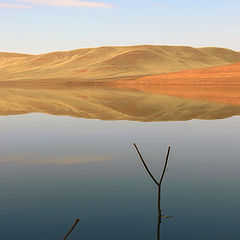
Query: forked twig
(147,169)
(71,229)
(159,184)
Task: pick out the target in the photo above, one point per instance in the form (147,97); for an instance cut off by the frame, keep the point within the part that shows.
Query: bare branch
(71,229)
(165,166)
(145,165)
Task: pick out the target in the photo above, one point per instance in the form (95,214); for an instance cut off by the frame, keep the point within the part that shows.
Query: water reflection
(135,102)
(27,160)
(53,162)
(114,196)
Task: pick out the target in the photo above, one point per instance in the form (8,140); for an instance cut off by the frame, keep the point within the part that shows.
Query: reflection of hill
(229,95)
(144,104)
(110,62)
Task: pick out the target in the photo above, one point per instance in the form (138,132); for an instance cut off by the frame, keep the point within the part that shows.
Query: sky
(39,26)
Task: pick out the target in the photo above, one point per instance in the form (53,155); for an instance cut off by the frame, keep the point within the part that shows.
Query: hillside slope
(224,75)
(110,62)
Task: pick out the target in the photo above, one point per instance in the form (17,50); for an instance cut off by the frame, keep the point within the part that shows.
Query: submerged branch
(71,229)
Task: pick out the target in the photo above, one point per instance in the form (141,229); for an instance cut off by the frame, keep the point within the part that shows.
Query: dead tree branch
(145,165)
(165,166)
(71,229)
(147,169)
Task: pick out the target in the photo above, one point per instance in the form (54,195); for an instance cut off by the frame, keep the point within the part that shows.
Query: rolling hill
(110,63)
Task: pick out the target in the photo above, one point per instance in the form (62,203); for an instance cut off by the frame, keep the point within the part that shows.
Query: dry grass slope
(96,64)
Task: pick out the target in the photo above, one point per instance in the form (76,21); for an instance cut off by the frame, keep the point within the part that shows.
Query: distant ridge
(108,63)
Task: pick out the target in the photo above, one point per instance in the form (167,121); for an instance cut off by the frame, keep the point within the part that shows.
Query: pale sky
(38,26)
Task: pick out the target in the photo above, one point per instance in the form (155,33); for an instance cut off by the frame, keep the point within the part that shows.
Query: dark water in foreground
(55,169)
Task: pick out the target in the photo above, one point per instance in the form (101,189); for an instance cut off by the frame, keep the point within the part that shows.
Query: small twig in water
(71,229)
(145,165)
(159,184)
(165,165)
(149,172)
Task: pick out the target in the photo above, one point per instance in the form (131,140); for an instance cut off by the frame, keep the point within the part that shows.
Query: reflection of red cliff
(229,95)
(229,74)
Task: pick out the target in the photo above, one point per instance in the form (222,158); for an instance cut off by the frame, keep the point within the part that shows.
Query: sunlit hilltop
(111,63)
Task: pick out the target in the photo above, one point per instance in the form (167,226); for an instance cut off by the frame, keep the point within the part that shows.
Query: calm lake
(68,153)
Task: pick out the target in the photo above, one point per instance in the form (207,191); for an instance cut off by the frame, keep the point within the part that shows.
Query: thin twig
(145,165)
(153,178)
(165,166)
(160,182)
(71,229)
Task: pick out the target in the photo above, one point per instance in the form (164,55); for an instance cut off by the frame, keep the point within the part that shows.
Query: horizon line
(101,46)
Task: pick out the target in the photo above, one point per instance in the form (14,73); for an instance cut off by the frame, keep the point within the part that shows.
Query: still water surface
(54,169)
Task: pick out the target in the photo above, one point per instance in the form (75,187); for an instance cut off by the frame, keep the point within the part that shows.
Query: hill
(95,64)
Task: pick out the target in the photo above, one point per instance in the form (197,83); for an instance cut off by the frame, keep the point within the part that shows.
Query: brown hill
(93,64)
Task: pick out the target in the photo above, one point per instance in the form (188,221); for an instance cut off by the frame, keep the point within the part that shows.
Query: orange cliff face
(226,75)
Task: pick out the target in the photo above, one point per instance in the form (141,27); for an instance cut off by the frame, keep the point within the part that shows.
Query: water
(54,169)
